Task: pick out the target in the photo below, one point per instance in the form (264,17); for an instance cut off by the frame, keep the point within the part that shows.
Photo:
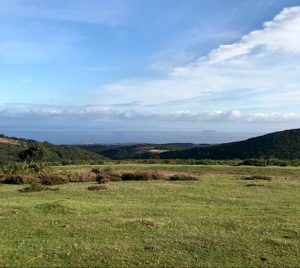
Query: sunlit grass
(215,221)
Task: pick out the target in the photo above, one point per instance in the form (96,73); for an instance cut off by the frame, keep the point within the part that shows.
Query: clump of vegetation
(156,175)
(97,187)
(18,179)
(268,162)
(21,168)
(37,187)
(35,153)
(183,177)
(257,177)
(254,185)
(106,175)
(143,176)
(15,168)
(96,170)
(81,177)
(52,179)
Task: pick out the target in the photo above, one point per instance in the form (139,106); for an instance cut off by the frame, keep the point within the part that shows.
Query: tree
(34,153)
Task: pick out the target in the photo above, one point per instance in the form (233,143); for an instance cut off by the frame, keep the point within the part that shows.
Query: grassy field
(219,220)
(282,172)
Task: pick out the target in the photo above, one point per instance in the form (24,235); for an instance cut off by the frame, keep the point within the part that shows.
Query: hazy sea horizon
(112,137)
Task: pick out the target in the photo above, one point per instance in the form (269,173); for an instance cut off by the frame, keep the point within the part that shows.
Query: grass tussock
(257,178)
(55,208)
(254,185)
(99,187)
(37,187)
(143,176)
(184,177)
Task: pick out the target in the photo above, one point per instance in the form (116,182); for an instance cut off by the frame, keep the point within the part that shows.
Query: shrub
(143,176)
(97,187)
(156,175)
(52,179)
(38,167)
(183,177)
(14,168)
(257,177)
(106,176)
(14,179)
(18,179)
(135,176)
(81,177)
(96,170)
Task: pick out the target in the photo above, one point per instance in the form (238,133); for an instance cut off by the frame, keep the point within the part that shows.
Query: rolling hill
(10,149)
(278,145)
(135,151)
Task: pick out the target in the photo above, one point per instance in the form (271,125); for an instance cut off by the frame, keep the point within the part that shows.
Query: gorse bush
(52,179)
(96,170)
(105,176)
(156,175)
(18,179)
(81,177)
(143,176)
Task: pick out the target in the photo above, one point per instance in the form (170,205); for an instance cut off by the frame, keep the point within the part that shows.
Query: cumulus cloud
(266,59)
(94,113)
(282,33)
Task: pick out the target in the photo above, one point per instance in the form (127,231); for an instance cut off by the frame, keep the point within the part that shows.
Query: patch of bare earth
(9,141)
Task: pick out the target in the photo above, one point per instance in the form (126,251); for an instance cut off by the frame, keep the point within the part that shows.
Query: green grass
(286,172)
(216,221)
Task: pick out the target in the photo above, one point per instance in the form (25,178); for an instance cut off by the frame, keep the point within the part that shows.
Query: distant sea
(111,137)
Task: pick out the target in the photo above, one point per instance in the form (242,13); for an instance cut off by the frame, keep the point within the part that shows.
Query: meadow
(219,220)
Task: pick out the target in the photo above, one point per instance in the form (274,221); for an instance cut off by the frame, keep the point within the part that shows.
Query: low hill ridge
(10,149)
(279,145)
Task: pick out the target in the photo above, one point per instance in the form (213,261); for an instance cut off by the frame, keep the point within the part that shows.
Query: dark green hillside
(136,151)
(11,148)
(280,145)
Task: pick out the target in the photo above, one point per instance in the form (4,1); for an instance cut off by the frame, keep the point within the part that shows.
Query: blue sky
(151,65)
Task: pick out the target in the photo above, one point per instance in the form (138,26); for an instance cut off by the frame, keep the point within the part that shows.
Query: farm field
(219,220)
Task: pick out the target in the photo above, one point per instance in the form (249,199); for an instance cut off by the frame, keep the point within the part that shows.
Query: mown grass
(216,221)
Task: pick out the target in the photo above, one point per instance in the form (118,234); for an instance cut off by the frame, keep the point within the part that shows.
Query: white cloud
(266,60)
(282,33)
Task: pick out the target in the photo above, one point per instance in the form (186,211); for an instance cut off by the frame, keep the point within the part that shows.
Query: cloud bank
(93,113)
